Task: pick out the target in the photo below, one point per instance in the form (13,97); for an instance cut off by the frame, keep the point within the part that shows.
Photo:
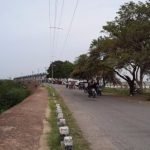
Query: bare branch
(123,77)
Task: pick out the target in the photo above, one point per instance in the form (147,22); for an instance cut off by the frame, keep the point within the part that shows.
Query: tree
(97,58)
(81,70)
(130,36)
(67,69)
(60,69)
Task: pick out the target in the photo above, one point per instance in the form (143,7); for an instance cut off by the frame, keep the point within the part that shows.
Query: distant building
(36,77)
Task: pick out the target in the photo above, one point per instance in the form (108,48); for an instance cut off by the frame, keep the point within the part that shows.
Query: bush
(16,94)
(11,93)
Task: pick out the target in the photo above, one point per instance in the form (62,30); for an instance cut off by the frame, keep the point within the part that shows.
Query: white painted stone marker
(62,122)
(68,142)
(60,116)
(64,130)
(57,105)
(59,110)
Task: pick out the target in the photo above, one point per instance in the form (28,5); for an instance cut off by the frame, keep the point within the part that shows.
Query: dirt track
(22,125)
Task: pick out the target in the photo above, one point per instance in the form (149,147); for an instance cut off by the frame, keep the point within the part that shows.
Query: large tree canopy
(81,70)
(124,50)
(130,33)
(97,59)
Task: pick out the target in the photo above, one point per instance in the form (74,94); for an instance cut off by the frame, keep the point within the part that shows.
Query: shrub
(11,93)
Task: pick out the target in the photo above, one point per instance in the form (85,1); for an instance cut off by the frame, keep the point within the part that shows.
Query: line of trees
(123,50)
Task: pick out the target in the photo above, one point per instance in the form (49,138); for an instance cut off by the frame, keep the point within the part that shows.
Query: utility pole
(52,71)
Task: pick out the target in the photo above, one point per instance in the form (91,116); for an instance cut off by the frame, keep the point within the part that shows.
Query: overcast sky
(27,45)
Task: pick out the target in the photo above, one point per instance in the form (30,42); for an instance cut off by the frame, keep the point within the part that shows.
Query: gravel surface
(110,122)
(22,125)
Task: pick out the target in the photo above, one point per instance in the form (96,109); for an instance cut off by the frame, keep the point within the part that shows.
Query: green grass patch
(125,92)
(147,96)
(54,137)
(79,142)
(116,91)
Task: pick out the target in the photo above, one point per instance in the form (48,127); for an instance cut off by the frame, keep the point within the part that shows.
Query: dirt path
(22,125)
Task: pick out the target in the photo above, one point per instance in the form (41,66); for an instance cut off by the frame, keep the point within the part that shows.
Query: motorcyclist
(98,89)
(91,89)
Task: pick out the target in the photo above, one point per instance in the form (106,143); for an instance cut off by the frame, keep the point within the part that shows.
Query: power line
(60,20)
(50,25)
(55,19)
(61,13)
(70,26)
(49,14)
(55,27)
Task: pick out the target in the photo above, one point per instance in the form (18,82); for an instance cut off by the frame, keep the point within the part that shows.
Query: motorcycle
(92,93)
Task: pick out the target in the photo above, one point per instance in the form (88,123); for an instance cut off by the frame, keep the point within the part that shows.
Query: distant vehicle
(82,85)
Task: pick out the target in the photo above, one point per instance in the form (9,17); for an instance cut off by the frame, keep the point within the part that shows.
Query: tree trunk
(141,80)
(131,85)
(132,88)
(129,80)
(97,80)
(104,82)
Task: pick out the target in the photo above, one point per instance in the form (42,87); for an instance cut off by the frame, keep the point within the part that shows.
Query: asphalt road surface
(110,122)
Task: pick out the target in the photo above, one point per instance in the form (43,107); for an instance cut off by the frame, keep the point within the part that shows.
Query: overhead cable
(61,13)
(60,20)
(55,19)
(70,25)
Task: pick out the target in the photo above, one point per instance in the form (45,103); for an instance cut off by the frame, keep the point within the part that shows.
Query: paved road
(109,122)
